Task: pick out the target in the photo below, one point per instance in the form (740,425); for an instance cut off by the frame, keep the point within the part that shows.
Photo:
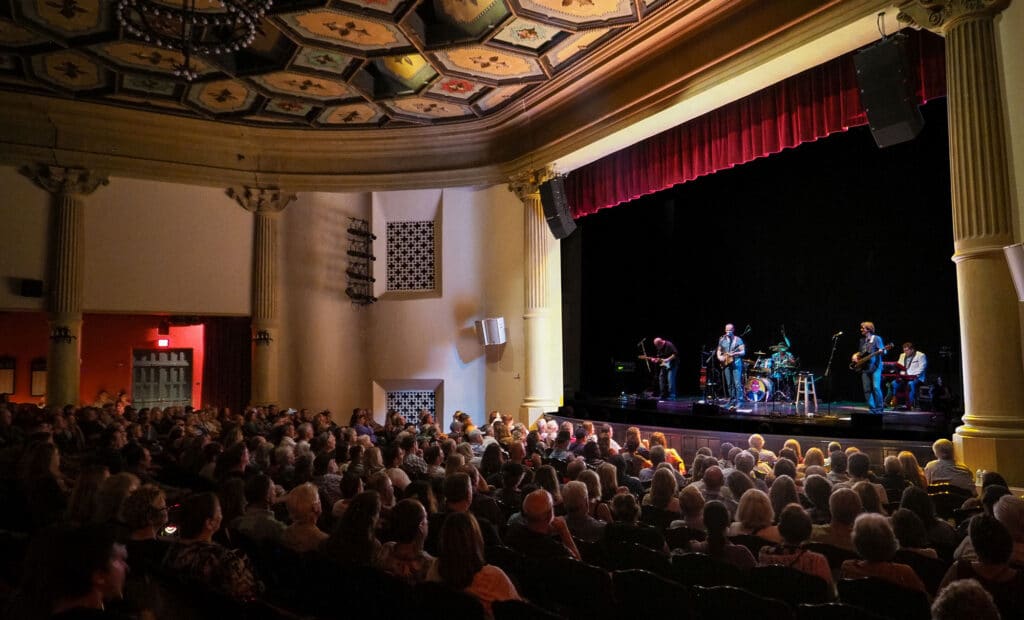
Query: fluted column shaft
(266,204)
(69,187)
(541,322)
(992,435)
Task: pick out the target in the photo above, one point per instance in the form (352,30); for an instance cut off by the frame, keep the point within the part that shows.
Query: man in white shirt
(916,364)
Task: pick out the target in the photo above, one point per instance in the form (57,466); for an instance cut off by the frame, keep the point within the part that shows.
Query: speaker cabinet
(491,331)
(31,288)
(556,208)
(887,91)
(866,421)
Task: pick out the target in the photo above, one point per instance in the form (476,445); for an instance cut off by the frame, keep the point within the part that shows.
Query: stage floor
(840,419)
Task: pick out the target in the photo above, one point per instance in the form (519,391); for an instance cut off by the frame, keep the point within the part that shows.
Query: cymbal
(778,347)
(760,353)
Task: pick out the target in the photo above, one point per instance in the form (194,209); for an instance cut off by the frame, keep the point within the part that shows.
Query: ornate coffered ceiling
(320,64)
(338,95)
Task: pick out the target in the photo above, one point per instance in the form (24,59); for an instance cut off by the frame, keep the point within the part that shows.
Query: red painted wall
(107,343)
(23,336)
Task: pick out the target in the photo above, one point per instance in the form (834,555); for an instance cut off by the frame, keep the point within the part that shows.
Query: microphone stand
(828,371)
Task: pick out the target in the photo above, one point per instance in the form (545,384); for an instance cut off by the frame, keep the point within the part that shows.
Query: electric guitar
(858,363)
(663,362)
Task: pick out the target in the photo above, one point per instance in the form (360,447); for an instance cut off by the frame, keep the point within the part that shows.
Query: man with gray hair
(745,464)
(577,508)
(543,535)
(945,468)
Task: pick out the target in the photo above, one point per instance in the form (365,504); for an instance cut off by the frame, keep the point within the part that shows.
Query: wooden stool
(805,389)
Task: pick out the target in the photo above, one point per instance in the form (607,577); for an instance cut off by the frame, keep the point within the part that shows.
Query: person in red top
(876,544)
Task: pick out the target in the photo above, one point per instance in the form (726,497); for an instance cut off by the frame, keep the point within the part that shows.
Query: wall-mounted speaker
(491,331)
(887,91)
(31,288)
(556,208)
(1015,261)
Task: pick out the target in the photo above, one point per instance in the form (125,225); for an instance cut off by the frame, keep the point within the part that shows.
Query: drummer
(782,359)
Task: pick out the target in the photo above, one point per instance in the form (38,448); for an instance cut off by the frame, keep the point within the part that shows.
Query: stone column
(992,436)
(266,203)
(69,187)
(541,321)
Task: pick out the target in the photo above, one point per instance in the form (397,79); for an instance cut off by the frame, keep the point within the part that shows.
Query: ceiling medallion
(215,27)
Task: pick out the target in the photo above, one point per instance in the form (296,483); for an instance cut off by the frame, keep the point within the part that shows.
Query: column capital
(62,180)
(939,16)
(260,199)
(528,183)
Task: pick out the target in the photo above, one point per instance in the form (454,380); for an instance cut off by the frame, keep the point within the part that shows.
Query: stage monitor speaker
(491,331)
(556,208)
(887,91)
(31,288)
(867,420)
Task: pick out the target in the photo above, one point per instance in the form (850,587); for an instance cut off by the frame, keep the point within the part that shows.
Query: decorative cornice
(939,16)
(63,181)
(260,199)
(526,184)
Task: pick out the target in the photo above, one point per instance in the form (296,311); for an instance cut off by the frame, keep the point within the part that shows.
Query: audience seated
(404,557)
(965,598)
(945,468)
(543,535)
(993,545)
(717,545)
(795,529)
(754,517)
(577,513)
(199,560)
(258,522)
(460,564)
(876,544)
(386,545)
(304,510)
(844,506)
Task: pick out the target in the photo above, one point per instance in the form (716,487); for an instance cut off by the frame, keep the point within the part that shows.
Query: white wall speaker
(1015,260)
(491,331)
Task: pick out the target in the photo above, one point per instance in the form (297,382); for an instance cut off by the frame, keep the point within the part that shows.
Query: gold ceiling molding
(689,46)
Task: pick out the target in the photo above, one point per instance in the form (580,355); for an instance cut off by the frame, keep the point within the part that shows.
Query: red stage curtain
(227,369)
(804,107)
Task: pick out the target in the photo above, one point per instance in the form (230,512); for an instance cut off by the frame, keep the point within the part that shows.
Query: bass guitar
(858,363)
(663,362)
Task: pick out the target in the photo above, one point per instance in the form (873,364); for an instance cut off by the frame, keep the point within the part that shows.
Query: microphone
(837,334)
(641,341)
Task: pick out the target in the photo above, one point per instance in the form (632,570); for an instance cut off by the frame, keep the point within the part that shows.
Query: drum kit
(771,375)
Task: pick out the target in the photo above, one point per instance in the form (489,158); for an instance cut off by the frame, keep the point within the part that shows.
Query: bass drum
(759,389)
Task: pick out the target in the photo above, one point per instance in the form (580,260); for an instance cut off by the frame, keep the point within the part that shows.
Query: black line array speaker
(556,208)
(887,91)
(31,288)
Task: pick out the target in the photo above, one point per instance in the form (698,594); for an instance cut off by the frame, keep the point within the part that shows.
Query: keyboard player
(911,367)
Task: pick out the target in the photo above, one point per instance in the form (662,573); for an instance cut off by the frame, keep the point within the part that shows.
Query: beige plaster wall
(25,213)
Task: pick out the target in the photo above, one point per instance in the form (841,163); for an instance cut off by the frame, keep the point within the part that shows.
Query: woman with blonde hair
(912,469)
(754,517)
(663,491)
(609,480)
(598,509)
(373,462)
(111,496)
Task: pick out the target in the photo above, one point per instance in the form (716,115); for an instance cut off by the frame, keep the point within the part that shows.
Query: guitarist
(731,350)
(667,357)
(871,371)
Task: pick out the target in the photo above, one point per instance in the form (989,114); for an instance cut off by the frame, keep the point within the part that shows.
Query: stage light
(163,343)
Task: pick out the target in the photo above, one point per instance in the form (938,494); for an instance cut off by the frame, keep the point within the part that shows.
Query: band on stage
(733,375)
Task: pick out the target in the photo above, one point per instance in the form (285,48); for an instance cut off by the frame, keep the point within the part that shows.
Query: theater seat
(884,598)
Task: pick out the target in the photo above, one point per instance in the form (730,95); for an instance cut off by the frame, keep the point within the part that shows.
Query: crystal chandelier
(230,26)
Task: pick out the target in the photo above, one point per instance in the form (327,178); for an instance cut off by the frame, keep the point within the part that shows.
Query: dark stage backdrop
(816,238)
